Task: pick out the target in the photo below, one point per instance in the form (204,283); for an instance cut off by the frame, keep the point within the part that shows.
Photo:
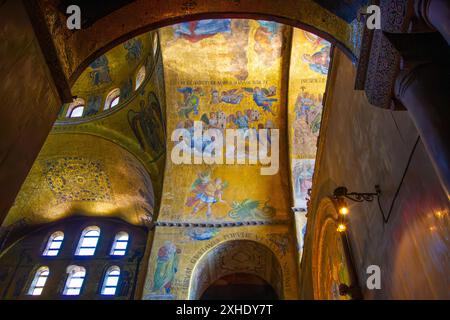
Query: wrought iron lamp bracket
(342,192)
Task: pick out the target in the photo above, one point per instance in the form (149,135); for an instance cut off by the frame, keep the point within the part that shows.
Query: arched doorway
(237,269)
(240,286)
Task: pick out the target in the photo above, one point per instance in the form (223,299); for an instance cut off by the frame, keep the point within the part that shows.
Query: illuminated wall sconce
(342,192)
(341,227)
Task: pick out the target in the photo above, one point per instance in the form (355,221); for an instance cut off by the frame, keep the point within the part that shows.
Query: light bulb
(343,211)
(341,228)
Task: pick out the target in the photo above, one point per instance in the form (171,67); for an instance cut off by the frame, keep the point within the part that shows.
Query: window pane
(79,274)
(41,281)
(109,291)
(55,245)
(114,273)
(72,292)
(115,102)
(111,281)
(52,253)
(92,233)
(77,112)
(119,253)
(121,245)
(89,242)
(122,237)
(75,283)
(37,291)
(86,252)
(140,77)
(74,280)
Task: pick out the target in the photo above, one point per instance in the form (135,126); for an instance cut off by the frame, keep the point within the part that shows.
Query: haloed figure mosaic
(207,191)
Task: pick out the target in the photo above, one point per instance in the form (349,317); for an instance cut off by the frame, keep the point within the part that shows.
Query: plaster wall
(361,146)
(29,100)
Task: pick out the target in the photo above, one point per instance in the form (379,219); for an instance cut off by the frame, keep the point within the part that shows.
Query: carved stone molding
(382,69)
(396,15)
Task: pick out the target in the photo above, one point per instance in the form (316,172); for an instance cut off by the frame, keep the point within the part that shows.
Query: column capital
(421,8)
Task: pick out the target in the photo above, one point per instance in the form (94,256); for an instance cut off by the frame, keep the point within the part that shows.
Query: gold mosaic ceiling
(114,68)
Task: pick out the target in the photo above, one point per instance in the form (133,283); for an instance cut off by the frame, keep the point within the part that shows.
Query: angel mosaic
(206,191)
(191,101)
(195,31)
(263,97)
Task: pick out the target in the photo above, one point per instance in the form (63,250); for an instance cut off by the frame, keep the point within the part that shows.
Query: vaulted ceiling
(237,71)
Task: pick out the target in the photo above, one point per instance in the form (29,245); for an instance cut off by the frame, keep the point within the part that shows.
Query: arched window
(111,281)
(155,43)
(120,244)
(112,99)
(88,241)
(54,244)
(140,77)
(76,108)
(39,280)
(77,112)
(75,279)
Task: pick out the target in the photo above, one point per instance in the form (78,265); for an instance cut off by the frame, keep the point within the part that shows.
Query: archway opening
(240,286)
(237,269)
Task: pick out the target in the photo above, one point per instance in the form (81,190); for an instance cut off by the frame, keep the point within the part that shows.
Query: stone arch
(77,49)
(236,256)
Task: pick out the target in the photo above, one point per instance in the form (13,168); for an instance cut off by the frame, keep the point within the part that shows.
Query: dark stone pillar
(436,14)
(425,91)
(29,97)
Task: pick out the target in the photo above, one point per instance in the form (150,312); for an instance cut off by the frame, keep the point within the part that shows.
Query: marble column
(436,14)
(425,92)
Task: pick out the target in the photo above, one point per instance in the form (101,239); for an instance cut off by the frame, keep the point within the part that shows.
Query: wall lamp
(341,193)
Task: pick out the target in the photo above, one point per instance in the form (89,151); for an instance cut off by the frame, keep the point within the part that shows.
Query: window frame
(81,240)
(37,275)
(75,104)
(48,245)
(77,108)
(115,241)
(155,44)
(107,275)
(142,70)
(110,98)
(71,271)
